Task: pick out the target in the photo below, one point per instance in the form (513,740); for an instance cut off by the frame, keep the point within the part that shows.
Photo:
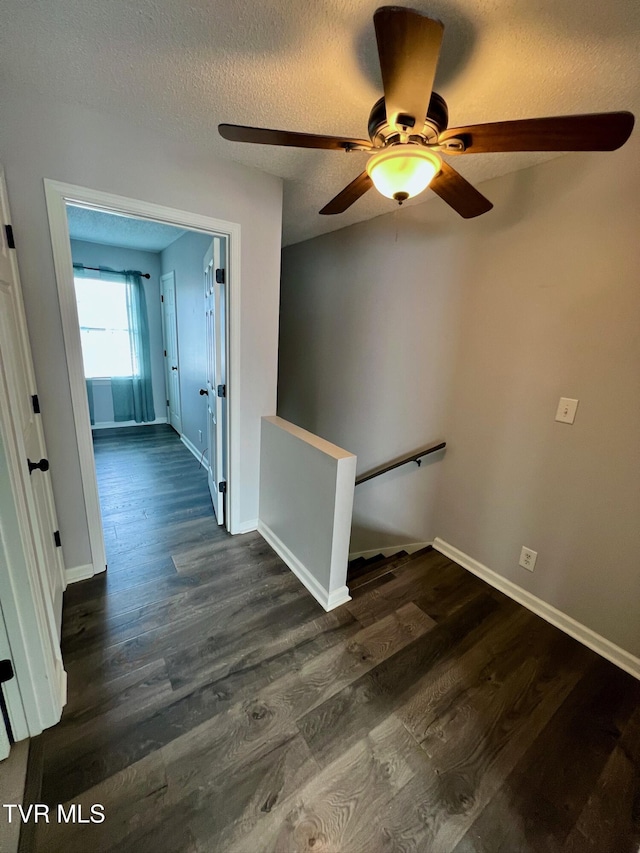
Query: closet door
(33,538)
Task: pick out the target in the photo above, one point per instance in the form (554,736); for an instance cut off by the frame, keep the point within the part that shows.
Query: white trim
(325,447)
(328,600)
(61,674)
(625,660)
(247,526)
(57,194)
(197,453)
(389,551)
(234,318)
(170,276)
(80,573)
(116,424)
(63,266)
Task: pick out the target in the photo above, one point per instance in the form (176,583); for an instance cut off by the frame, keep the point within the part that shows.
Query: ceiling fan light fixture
(403,171)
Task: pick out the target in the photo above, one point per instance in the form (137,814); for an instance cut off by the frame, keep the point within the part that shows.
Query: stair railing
(404,460)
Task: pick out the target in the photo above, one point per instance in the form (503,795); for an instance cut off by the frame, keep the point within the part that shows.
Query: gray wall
(419,325)
(366,359)
(42,139)
(184,257)
(97,254)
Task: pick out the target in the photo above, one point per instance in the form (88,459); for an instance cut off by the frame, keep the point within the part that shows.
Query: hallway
(214,706)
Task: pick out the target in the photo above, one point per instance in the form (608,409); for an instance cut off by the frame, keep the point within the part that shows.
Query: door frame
(170,275)
(57,195)
(216,258)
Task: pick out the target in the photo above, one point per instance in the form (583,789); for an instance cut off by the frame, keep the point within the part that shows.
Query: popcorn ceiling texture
(127,232)
(181,68)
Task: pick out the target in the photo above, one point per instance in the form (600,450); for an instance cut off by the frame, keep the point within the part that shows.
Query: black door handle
(204,391)
(6,671)
(42,465)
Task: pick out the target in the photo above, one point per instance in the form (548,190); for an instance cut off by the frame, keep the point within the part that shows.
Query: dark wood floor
(214,706)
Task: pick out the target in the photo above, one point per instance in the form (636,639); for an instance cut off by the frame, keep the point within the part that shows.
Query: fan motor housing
(436,120)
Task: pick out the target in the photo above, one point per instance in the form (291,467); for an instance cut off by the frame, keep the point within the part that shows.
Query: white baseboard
(197,453)
(79,573)
(117,424)
(328,600)
(245,527)
(62,683)
(625,660)
(389,551)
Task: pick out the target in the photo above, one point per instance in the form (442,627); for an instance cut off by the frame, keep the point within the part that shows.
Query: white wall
(185,256)
(423,324)
(96,255)
(41,139)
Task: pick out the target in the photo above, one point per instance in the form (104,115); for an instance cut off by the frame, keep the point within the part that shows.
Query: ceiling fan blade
(265,136)
(351,193)
(459,193)
(594,132)
(408,47)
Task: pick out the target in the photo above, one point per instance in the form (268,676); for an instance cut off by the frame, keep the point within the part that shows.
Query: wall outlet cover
(528,558)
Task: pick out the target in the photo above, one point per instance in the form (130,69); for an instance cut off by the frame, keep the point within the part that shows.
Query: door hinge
(161,297)
(6,671)
(167,402)
(36,404)
(165,353)
(220,276)
(222,391)
(57,539)
(8,230)
(222,487)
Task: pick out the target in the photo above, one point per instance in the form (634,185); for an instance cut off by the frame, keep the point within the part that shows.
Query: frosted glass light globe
(403,171)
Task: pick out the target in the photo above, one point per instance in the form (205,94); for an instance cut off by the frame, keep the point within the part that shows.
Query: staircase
(363,571)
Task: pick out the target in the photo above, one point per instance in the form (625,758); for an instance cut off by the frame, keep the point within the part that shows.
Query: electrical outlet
(200,435)
(528,558)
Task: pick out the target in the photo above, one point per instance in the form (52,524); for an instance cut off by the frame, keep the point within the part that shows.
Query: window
(104,328)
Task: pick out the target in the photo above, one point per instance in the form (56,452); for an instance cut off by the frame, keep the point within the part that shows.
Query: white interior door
(215,296)
(5,721)
(171,359)
(26,420)
(28,494)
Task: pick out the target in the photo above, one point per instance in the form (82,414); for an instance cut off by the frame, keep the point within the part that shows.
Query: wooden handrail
(413,457)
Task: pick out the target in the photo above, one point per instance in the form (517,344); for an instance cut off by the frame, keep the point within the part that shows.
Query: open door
(6,669)
(171,362)
(23,419)
(215,300)
(32,577)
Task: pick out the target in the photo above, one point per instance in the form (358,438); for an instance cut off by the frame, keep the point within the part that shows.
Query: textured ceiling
(184,67)
(111,229)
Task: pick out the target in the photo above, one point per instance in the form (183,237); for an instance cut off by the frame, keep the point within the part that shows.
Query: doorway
(58,197)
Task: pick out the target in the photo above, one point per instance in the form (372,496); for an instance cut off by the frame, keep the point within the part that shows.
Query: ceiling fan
(408,126)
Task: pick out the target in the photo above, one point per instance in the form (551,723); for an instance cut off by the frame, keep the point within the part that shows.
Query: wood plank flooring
(214,706)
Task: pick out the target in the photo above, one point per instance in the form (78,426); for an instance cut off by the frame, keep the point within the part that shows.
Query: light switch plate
(566,413)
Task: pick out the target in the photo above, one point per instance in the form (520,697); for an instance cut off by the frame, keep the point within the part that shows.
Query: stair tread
(375,568)
(361,565)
